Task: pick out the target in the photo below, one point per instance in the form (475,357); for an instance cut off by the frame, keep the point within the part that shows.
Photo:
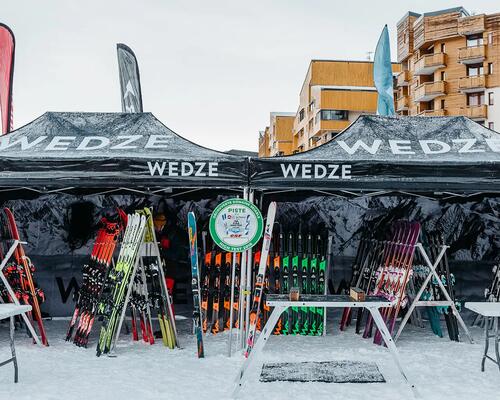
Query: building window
(331,115)
(491,126)
(443,75)
(301,115)
(311,106)
(443,48)
(490,68)
(475,99)
(442,104)
(475,40)
(490,38)
(491,100)
(475,70)
(310,124)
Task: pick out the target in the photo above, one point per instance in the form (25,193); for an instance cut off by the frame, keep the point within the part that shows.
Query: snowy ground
(440,368)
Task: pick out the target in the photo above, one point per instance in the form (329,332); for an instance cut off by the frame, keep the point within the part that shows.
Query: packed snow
(440,368)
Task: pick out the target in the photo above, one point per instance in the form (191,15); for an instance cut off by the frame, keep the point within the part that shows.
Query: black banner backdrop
(392,153)
(130,82)
(94,150)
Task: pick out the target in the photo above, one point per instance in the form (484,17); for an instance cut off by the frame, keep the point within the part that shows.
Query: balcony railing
(472,54)
(477,112)
(471,25)
(402,103)
(403,78)
(430,90)
(432,113)
(429,63)
(471,84)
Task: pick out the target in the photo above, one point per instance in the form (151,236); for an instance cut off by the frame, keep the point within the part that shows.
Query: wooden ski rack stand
(432,303)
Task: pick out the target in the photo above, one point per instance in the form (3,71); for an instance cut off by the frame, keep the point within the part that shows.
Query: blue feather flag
(382,75)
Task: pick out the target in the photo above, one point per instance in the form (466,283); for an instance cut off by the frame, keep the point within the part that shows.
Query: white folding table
(281,302)
(10,311)
(490,311)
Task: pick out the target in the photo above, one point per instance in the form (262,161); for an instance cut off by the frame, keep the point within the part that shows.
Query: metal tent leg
(379,321)
(257,349)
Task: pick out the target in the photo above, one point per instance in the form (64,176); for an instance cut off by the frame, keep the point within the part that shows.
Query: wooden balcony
(403,78)
(403,103)
(428,63)
(472,84)
(472,55)
(430,90)
(334,125)
(432,113)
(477,112)
(471,25)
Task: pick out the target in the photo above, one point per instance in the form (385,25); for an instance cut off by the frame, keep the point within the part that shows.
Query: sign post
(236,225)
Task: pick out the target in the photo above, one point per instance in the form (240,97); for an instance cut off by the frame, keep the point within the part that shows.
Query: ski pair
(259,282)
(20,272)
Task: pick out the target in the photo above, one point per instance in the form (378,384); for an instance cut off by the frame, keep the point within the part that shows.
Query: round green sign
(236,225)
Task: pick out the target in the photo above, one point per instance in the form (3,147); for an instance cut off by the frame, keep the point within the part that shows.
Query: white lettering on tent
(467,147)
(23,141)
(334,169)
(346,172)
(187,169)
(213,169)
(60,143)
(306,171)
(317,173)
(290,169)
(153,168)
(127,140)
(494,144)
(401,147)
(372,149)
(158,142)
(84,145)
(173,168)
(199,171)
(442,146)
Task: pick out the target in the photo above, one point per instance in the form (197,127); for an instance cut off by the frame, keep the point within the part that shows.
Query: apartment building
(277,139)
(334,93)
(450,65)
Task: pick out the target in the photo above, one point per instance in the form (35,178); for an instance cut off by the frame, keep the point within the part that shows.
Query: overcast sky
(210,70)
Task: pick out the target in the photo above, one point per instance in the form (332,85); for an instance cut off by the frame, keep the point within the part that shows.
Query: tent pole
(243,279)
(248,289)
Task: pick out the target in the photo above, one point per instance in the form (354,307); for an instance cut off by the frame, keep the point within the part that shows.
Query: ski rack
(163,287)
(432,303)
(11,292)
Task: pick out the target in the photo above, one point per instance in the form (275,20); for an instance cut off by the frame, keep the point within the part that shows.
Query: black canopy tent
(67,150)
(392,154)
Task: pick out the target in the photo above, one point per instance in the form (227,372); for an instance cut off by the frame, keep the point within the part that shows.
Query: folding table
(281,302)
(10,311)
(490,311)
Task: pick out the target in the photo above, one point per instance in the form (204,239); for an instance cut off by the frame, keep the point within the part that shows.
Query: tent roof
(113,126)
(392,153)
(453,131)
(87,150)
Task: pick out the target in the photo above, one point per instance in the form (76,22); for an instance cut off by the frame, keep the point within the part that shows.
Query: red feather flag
(7,49)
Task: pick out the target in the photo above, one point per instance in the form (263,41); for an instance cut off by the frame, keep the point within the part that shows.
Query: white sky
(210,70)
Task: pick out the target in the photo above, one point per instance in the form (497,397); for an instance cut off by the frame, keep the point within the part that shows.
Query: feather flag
(7,50)
(382,75)
(130,82)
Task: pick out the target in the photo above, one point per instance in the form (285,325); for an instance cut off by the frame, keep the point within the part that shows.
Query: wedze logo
(184,168)
(316,171)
